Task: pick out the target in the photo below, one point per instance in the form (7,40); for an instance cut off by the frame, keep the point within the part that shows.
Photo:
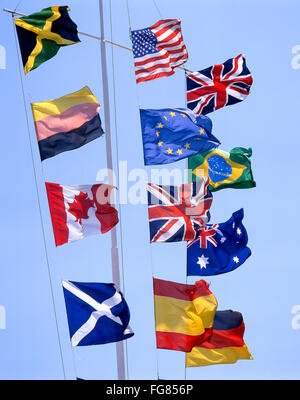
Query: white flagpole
(120,349)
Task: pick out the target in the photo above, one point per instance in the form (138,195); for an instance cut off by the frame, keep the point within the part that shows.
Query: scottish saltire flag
(184,314)
(97,313)
(66,123)
(224,170)
(80,211)
(158,50)
(176,213)
(226,344)
(218,86)
(171,134)
(218,248)
(43,33)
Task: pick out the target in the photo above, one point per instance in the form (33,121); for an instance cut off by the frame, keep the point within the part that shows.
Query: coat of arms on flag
(80,211)
(218,248)
(218,86)
(97,313)
(158,50)
(176,213)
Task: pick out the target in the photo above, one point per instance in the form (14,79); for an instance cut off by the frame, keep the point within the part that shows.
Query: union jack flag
(218,86)
(158,50)
(176,213)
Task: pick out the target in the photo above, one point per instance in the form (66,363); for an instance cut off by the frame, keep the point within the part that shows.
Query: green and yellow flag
(42,34)
(224,170)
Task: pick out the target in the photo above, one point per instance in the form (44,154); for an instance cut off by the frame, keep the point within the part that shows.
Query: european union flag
(97,313)
(219,248)
(171,134)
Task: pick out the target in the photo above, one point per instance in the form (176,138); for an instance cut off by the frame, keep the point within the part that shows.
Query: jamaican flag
(224,170)
(42,34)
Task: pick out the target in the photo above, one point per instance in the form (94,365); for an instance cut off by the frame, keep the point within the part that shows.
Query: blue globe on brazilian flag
(224,170)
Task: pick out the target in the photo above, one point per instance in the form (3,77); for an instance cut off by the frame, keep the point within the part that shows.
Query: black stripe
(227,319)
(66,141)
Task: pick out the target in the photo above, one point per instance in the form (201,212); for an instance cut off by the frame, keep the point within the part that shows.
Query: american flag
(218,86)
(158,50)
(176,213)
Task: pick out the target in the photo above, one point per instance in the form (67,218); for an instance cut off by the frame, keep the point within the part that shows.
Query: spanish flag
(224,170)
(226,344)
(66,123)
(184,314)
(42,34)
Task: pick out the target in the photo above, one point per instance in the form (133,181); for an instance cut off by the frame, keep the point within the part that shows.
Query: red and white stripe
(172,52)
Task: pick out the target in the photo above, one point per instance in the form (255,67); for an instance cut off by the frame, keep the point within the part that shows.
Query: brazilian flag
(224,170)
(42,34)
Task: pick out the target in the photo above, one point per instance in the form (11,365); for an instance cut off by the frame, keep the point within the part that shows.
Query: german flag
(184,314)
(42,34)
(226,344)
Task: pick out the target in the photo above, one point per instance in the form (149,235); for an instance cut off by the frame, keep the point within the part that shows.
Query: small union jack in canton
(218,86)
(158,50)
(218,248)
(176,213)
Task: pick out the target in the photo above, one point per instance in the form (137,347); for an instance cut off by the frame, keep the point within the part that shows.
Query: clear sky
(264,289)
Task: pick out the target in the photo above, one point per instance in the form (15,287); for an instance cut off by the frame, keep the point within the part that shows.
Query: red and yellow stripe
(184,314)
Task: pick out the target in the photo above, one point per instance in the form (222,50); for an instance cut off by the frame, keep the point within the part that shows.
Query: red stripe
(105,212)
(162,22)
(173,33)
(159,56)
(153,68)
(180,291)
(179,41)
(155,76)
(226,338)
(179,341)
(58,213)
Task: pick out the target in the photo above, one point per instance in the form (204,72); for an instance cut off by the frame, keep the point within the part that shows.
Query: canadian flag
(80,211)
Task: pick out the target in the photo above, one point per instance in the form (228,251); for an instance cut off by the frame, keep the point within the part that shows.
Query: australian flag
(218,248)
(218,86)
(171,134)
(97,313)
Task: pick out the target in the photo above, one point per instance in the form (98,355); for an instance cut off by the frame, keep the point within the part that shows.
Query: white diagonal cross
(101,309)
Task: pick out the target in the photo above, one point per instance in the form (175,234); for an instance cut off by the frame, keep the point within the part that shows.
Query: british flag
(158,50)
(218,86)
(176,213)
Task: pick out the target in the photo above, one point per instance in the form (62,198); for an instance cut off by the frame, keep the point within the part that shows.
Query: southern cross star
(236,259)
(203,261)
(238,231)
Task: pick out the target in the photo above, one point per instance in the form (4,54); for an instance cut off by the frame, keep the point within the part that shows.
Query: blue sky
(264,289)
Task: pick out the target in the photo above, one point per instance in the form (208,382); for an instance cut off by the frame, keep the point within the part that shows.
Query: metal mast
(120,348)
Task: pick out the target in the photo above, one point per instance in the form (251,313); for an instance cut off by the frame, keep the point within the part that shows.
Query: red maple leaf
(80,206)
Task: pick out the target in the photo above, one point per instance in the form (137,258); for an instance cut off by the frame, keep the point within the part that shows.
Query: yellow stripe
(181,316)
(203,170)
(200,357)
(44,33)
(55,107)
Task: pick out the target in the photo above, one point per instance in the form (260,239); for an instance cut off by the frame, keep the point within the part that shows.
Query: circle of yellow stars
(186,146)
